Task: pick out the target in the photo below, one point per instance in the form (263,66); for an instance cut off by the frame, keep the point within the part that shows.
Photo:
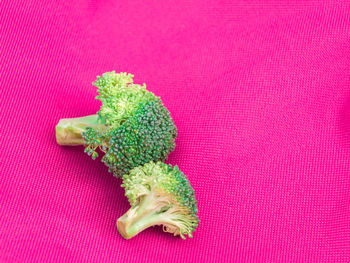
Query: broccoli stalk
(132,126)
(159,195)
(155,210)
(69,131)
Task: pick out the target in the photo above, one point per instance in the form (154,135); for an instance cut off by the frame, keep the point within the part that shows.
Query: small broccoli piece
(132,126)
(159,195)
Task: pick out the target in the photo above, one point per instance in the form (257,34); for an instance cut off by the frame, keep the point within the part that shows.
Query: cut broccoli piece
(132,126)
(159,195)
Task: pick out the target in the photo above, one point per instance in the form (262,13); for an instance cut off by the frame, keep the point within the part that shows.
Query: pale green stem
(140,217)
(68,131)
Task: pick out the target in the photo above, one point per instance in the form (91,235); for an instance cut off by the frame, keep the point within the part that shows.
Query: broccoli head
(159,194)
(132,126)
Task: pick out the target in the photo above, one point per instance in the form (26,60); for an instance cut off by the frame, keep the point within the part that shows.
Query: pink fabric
(259,90)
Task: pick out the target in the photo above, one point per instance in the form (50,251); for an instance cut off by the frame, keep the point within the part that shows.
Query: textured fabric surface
(259,90)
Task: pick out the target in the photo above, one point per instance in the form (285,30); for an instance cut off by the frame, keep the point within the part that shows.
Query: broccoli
(159,194)
(131,128)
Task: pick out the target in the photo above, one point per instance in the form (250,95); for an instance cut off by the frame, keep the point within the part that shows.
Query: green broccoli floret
(159,195)
(132,126)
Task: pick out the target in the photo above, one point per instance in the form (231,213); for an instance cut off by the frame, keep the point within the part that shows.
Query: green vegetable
(132,126)
(159,194)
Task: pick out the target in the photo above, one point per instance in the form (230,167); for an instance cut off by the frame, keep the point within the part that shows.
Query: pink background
(259,90)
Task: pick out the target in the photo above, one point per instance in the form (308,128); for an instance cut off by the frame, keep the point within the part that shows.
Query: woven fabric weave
(259,91)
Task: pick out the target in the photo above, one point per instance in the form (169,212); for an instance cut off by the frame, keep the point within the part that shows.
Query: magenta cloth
(259,91)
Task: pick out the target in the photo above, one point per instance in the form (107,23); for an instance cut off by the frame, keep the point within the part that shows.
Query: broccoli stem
(68,131)
(147,213)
